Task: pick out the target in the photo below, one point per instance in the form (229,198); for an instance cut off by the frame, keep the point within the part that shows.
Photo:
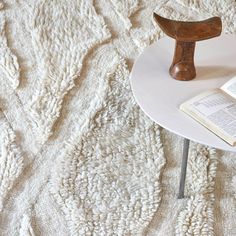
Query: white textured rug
(77,155)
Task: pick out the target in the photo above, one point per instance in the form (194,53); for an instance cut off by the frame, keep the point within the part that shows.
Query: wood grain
(186,35)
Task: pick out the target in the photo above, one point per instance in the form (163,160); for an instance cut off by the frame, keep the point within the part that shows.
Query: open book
(216,110)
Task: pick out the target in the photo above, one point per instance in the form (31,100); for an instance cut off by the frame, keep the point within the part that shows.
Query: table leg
(183,168)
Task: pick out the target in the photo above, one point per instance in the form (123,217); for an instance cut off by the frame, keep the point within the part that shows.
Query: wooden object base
(182,67)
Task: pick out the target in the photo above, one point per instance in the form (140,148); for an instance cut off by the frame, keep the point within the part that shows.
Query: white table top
(160,96)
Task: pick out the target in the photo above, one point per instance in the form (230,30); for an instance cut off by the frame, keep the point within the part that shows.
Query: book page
(215,107)
(230,87)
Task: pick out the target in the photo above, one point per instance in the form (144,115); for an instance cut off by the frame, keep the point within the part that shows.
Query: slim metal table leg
(183,168)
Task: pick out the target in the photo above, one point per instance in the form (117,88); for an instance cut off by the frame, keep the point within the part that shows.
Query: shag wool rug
(77,155)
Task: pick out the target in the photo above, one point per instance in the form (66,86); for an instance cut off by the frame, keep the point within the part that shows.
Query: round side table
(160,96)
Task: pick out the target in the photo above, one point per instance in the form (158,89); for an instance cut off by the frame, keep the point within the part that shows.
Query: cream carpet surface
(77,155)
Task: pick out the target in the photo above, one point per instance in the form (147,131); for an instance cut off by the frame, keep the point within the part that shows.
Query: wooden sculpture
(186,34)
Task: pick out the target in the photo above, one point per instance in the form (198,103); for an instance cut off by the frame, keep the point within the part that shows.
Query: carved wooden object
(186,34)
